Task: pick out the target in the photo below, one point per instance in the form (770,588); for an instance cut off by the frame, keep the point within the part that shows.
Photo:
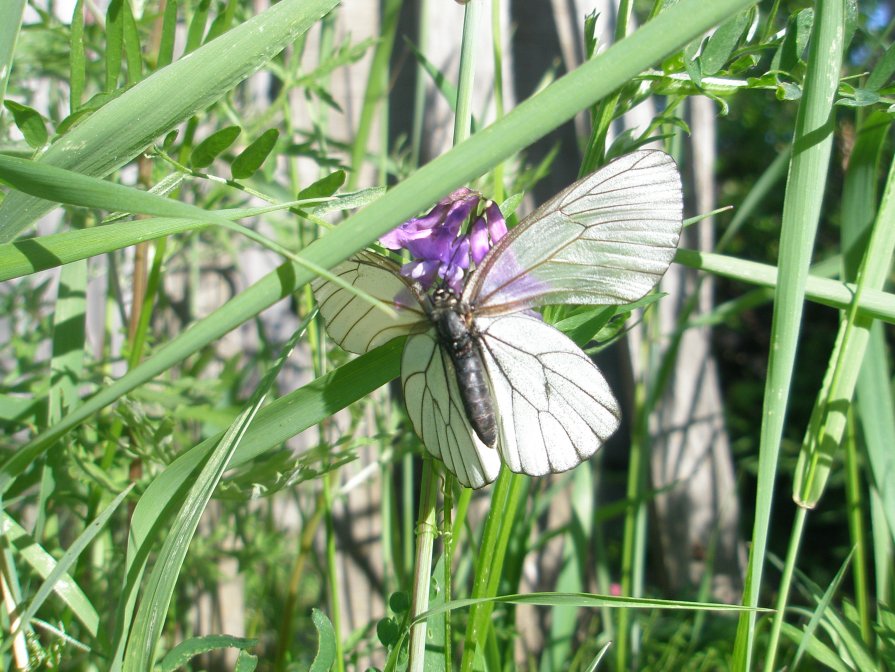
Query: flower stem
(425,540)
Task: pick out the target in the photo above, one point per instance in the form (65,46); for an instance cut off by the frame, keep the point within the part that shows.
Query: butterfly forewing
(435,408)
(605,240)
(555,409)
(354,323)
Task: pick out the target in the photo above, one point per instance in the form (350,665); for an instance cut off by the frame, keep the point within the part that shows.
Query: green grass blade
(280,420)
(66,186)
(77,57)
(871,303)
(815,458)
(58,578)
(10,23)
(125,126)
(147,626)
(812,143)
(44,565)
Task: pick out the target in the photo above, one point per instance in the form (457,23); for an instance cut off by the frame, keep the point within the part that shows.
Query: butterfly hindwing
(436,410)
(355,324)
(554,407)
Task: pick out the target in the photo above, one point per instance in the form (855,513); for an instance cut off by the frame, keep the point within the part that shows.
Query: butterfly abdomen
(458,340)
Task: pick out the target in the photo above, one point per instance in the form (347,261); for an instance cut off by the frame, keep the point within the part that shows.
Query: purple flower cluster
(439,249)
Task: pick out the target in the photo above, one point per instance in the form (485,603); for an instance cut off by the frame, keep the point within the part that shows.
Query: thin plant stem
(463,119)
(497,50)
(635,468)
(448,568)
(332,570)
(419,92)
(425,541)
(377,87)
(795,539)
(855,509)
(812,143)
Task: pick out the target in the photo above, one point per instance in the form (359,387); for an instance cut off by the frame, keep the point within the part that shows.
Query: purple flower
(440,250)
(487,230)
(431,236)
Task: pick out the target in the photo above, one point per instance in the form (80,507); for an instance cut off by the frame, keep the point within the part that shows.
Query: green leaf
(326,642)
(882,71)
(251,158)
(399,602)
(798,31)
(188,649)
(169,34)
(722,43)
(209,149)
(388,631)
(114,41)
(29,122)
(77,59)
(788,91)
(862,98)
(65,186)
(246,662)
(58,577)
(324,187)
(806,183)
(11,13)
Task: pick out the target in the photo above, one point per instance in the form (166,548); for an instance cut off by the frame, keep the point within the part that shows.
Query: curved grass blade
(124,127)
(147,626)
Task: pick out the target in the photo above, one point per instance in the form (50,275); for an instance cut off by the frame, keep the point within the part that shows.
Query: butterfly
(485,380)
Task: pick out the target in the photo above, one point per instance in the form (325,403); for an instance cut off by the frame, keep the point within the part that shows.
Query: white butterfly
(484,379)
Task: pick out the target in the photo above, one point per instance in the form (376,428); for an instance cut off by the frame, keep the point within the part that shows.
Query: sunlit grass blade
(44,564)
(506,495)
(10,23)
(828,426)
(871,302)
(57,579)
(807,180)
(280,420)
(121,129)
(143,637)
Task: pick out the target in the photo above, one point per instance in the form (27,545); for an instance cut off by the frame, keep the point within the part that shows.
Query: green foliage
(134,392)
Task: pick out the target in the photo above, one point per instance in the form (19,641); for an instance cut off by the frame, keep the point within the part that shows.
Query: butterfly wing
(436,411)
(554,408)
(354,323)
(605,240)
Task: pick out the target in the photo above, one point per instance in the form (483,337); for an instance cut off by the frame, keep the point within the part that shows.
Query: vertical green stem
(425,540)
(419,92)
(448,564)
(795,539)
(856,528)
(377,87)
(812,142)
(633,512)
(497,50)
(463,119)
(332,569)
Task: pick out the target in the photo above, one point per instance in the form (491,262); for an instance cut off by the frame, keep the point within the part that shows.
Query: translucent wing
(436,410)
(355,324)
(554,407)
(605,240)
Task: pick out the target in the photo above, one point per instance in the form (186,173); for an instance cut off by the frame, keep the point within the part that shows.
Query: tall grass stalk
(812,143)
